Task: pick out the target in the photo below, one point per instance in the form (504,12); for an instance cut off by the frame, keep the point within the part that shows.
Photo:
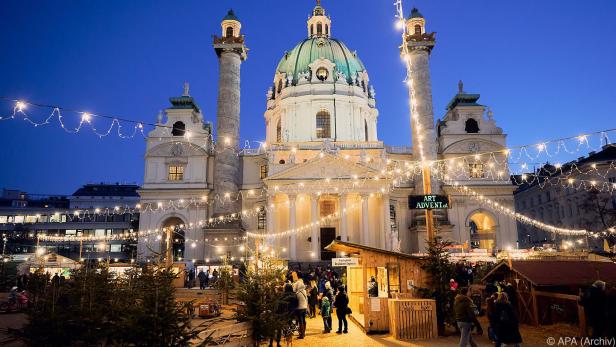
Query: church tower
(231,52)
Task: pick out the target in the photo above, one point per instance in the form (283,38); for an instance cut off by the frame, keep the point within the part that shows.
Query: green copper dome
(307,51)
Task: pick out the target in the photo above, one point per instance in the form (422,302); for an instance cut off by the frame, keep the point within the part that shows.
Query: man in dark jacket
(464,311)
(594,302)
(342,306)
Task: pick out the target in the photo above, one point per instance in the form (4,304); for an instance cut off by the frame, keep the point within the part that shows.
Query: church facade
(323,173)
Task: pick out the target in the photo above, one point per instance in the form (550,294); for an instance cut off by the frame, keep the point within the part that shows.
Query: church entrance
(327,236)
(177,236)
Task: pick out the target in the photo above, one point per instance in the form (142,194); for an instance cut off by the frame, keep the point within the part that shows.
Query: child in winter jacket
(327,314)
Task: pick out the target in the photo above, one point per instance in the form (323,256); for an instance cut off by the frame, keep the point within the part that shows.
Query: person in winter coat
(302,305)
(491,313)
(201,277)
(464,311)
(594,302)
(342,307)
(313,299)
(507,327)
(326,312)
(328,291)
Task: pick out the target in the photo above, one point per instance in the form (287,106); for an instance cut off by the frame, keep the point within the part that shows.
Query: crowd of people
(318,291)
(503,321)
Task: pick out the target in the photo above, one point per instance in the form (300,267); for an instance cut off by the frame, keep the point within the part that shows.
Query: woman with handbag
(341,304)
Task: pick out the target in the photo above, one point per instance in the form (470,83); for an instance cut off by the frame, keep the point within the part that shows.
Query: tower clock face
(322,73)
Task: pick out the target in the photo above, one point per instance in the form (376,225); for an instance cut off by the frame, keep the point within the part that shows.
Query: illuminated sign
(428,202)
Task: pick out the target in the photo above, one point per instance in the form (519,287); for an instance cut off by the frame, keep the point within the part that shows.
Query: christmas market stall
(50,264)
(547,291)
(382,291)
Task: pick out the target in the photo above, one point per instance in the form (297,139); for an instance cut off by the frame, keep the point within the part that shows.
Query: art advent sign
(428,202)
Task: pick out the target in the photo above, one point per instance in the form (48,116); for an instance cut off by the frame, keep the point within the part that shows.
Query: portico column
(343,218)
(386,241)
(271,217)
(292,226)
(365,230)
(314,235)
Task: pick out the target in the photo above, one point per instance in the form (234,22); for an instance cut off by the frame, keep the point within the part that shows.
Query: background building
(550,195)
(92,210)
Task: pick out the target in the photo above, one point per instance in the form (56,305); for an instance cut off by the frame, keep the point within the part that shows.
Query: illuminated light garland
(510,212)
(86,121)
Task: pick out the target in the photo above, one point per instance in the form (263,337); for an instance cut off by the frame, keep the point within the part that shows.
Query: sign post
(428,202)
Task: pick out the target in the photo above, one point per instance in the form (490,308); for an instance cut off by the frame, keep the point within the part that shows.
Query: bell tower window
(278,131)
(311,29)
(279,86)
(417,29)
(178,129)
(326,30)
(323,125)
(176,173)
(319,29)
(471,126)
(229,32)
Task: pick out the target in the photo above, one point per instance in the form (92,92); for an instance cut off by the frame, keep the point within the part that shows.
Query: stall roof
(560,272)
(354,248)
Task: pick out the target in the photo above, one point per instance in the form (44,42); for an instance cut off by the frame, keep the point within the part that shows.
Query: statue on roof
(460,87)
(186,88)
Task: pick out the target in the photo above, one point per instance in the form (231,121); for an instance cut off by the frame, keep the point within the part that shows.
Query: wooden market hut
(398,276)
(547,291)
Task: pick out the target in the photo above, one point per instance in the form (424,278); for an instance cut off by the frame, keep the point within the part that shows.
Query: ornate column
(292,225)
(365,230)
(314,232)
(231,52)
(344,236)
(271,217)
(386,241)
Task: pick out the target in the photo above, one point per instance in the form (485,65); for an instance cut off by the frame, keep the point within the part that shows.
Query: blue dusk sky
(547,69)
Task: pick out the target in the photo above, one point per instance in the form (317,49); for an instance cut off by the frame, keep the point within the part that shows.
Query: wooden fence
(411,319)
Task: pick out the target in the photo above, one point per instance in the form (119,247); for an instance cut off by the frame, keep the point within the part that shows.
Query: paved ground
(532,336)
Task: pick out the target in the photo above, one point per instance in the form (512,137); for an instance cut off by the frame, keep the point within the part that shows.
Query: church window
(392,218)
(178,129)
(229,32)
(417,29)
(281,161)
(363,86)
(366,129)
(323,125)
(471,126)
(328,207)
(261,218)
(326,29)
(311,29)
(263,171)
(278,131)
(279,86)
(176,173)
(319,29)
(476,170)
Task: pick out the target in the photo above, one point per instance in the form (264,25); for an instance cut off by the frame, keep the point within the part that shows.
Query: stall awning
(354,248)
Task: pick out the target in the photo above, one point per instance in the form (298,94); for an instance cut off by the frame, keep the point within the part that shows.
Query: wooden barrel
(411,319)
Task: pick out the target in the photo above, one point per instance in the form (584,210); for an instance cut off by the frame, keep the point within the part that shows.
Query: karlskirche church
(322,173)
